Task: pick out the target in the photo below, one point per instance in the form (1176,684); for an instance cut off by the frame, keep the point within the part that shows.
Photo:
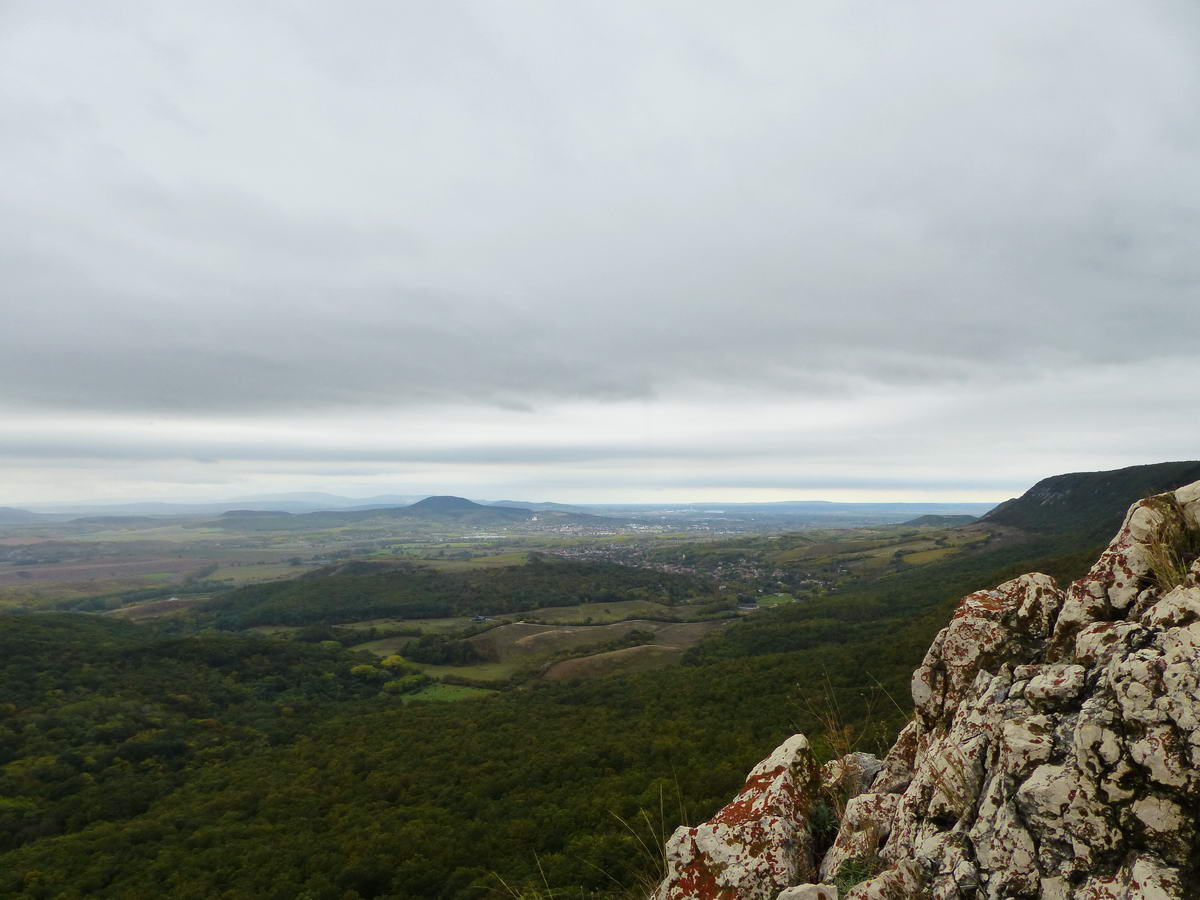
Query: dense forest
(98,719)
(282,791)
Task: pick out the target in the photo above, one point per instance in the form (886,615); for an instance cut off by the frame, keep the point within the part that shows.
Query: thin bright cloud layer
(595,251)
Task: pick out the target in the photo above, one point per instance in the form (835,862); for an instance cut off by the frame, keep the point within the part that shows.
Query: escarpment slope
(1089,503)
(1054,752)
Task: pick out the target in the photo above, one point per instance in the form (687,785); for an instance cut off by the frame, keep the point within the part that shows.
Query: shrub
(367,673)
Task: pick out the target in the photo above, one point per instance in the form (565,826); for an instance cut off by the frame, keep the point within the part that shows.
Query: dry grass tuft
(840,738)
(1176,545)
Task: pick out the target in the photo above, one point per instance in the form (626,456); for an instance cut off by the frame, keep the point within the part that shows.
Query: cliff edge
(1054,752)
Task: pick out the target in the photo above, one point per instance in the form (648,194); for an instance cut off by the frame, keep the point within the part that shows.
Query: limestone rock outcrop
(757,845)
(1054,751)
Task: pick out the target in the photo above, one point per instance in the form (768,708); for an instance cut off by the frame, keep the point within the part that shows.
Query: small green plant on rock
(823,822)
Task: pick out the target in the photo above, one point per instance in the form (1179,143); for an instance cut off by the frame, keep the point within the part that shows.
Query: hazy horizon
(594,252)
(864,498)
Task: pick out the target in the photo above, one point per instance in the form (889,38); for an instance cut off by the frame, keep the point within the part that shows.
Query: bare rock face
(1056,746)
(865,826)
(1054,751)
(757,845)
(853,773)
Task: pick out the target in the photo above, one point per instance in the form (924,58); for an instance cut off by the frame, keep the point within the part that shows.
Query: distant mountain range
(12,516)
(312,501)
(1089,503)
(291,503)
(300,502)
(315,502)
(440,509)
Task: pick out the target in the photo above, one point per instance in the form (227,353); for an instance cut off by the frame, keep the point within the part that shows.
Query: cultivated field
(522,648)
(615,662)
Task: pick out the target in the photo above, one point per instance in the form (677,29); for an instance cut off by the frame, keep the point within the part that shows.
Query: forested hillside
(1089,504)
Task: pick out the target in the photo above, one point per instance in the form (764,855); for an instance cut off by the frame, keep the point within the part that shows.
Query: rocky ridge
(1054,752)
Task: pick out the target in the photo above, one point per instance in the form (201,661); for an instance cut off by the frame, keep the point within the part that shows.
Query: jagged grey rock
(757,845)
(852,774)
(865,826)
(1054,750)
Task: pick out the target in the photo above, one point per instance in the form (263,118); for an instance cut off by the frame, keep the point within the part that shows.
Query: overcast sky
(595,250)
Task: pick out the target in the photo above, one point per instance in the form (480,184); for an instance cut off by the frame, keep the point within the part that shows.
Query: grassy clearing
(906,547)
(250,574)
(384,646)
(685,634)
(448,693)
(158,609)
(485,672)
(770,600)
(928,556)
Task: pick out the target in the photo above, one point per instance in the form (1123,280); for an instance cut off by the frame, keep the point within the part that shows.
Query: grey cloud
(276,210)
(86,447)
